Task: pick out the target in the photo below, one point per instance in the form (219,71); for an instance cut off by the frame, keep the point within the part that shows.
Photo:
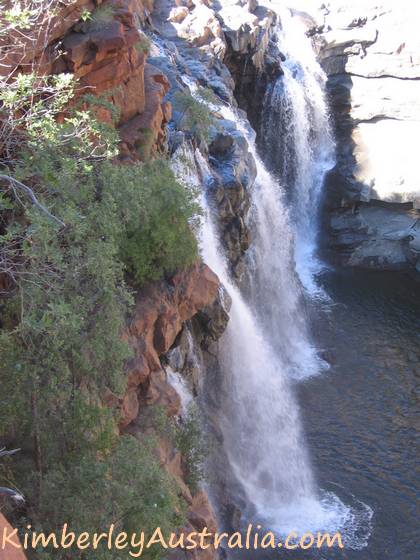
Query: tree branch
(30,193)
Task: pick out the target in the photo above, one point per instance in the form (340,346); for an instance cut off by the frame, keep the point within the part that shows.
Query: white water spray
(260,422)
(264,346)
(275,291)
(297,140)
(259,416)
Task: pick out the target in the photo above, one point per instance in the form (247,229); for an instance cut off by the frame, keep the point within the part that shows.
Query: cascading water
(260,421)
(258,415)
(275,292)
(266,343)
(296,139)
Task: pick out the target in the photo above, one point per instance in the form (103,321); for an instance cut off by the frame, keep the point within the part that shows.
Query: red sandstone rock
(171,460)
(22,50)
(9,552)
(201,513)
(160,393)
(130,404)
(147,128)
(158,317)
(106,59)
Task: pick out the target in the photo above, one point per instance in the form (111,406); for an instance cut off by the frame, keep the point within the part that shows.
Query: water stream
(296,140)
(267,347)
(268,355)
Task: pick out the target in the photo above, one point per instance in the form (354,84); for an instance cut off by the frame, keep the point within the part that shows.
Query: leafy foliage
(128,488)
(193,445)
(186,434)
(94,225)
(100,17)
(158,238)
(19,14)
(195,112)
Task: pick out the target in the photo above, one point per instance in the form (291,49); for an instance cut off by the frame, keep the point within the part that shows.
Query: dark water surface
(361,417)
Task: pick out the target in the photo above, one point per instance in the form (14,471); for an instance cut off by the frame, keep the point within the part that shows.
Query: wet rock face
(371,54)
(251,55)
(160,312)
(225,47)
(234,171)
(196,345)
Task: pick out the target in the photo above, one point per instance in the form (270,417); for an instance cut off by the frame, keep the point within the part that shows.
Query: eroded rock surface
(161,310)
(225,47)
(371,54)
(158,335)
(107,54)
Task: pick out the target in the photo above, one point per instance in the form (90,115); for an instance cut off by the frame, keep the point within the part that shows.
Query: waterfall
(275,292)
(259,418)
(296,139)
(266,345)
(259,415)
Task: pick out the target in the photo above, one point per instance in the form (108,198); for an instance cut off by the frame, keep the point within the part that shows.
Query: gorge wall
(139,58)
(107,54)
(370,52)
(114,61)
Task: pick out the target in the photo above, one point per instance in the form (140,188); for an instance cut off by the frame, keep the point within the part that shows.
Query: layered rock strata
(107,54)
(371,54)
(160,319)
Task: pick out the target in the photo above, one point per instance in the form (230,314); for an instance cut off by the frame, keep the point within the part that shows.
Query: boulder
(201,513)
(377,237)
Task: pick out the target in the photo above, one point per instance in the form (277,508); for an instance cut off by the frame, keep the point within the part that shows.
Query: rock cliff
(101,44)
(138,55)
(224,47)
(371,54)
(161,314)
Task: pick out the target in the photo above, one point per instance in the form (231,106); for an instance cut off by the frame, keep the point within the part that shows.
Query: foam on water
(266,345)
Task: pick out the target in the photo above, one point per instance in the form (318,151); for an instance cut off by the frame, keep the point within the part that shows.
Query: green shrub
(127,488)
(195,113)
(145,143)
(193,444)
(186,433)
(75,226)
(158,239)
(99,18)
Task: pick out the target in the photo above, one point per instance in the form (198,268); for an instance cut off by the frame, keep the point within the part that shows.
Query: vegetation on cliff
(78,232)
